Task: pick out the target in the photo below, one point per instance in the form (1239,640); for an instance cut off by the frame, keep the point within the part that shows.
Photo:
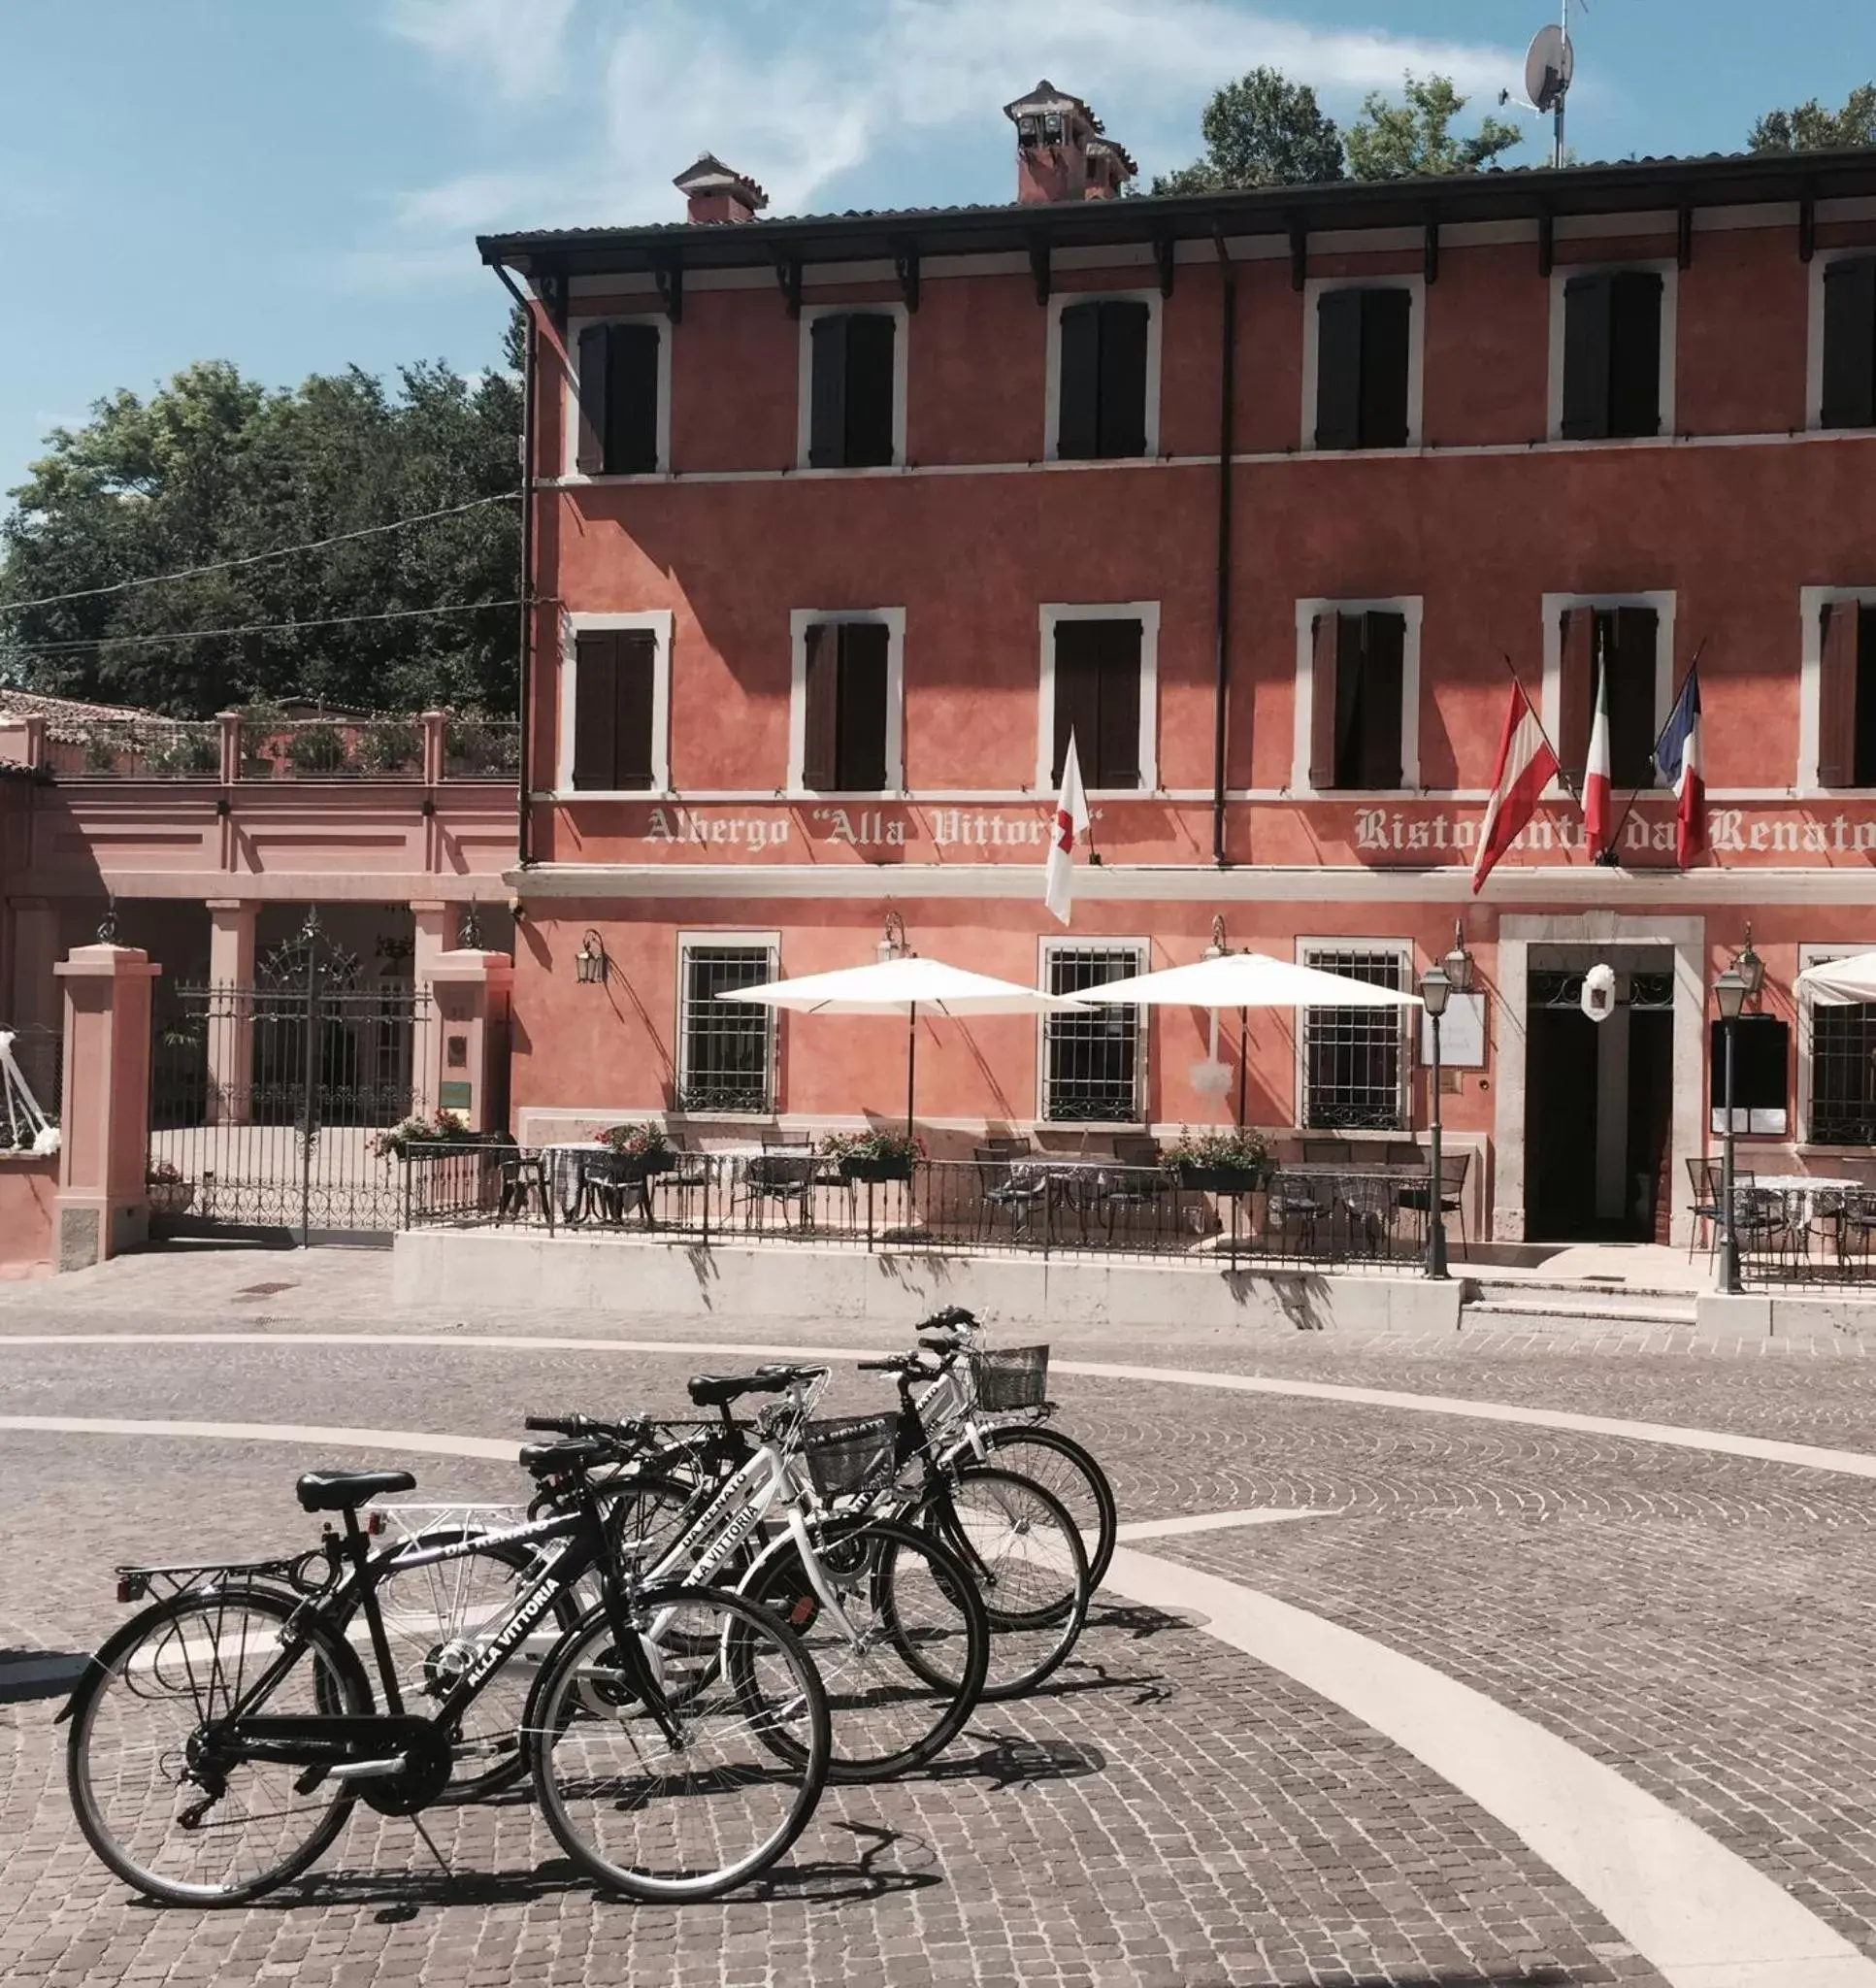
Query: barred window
(727,1049)
(1843,1069)
(1091,1062)
(1354,1076)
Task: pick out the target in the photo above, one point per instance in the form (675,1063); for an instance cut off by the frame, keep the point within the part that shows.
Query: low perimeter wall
(455,1268)
(28,1214)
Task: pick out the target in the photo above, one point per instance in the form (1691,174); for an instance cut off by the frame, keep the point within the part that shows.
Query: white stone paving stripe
(1218,1521)
(1697,1911)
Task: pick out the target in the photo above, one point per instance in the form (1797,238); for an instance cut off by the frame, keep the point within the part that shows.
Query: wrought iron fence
(375,749)
(1799,1237)
(139,749)
(481,750)
(39,1052)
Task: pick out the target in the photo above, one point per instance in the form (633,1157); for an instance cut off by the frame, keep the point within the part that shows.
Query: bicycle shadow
(823,1884)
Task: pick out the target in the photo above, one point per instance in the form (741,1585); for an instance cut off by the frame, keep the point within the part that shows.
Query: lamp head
(589,962)
(1750,968)
(1217,950)
(892,940)
(1457,964)
(1729,991)
(1435,989)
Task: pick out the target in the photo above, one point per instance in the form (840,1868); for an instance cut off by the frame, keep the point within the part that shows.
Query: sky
(297,187)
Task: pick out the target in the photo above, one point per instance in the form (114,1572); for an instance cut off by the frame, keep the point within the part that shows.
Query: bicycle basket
(1010,1378)
(847,1455)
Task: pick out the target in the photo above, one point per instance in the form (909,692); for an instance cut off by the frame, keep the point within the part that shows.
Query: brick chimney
(1061,154)
(718,194)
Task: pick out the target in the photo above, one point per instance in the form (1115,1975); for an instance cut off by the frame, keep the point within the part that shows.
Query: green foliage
(1237,1148)
(878,1148)
(213,466)
(1810,127)
(640,1141)
(1414,139)
(1262,130)
(441,1128)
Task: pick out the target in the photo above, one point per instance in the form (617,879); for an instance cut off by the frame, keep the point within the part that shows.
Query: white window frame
(1811,604)
(659,620)
(1046,950)
(893,621)
(1147,615)
(1059,302)
(570,469)
(1813,954)
(1551,696)
(1313,289)
(1814,337)
(1305,954)
(689,942)
(811,315)
(1410,606)
(1669,271)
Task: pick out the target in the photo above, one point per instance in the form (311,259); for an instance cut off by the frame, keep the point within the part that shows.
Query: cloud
(518,46)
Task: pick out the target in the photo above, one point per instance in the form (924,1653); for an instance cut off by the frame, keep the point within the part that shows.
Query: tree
(1810,127)
(213,467)
(1262,130)
(1413,140)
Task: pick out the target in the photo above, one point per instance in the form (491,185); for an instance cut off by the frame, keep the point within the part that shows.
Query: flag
(1599,814)
(1527,764)
(1678,755)
(1070,820)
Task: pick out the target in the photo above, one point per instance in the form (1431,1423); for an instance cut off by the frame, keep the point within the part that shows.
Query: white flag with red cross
(1069,824)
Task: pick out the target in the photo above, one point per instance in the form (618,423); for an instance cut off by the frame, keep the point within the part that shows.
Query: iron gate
(266,1101)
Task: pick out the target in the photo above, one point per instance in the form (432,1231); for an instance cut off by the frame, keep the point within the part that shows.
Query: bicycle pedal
(369,1770)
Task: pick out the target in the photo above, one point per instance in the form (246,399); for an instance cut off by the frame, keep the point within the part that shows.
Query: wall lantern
(1457,966)
(892,940)
(1217,950)
(590,962)
(1750,968)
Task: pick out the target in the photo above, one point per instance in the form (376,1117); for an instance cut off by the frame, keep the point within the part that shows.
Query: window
(1091,1062)
(1621,644)
(726,1048)
(1354,1074)
(1357,698)
(1106,400)
(1849,379)
(1761,1050)
(844,725)
(855,412)
(621,390)
(1613,322)
(615,701)
(1098,686)
(1847,694)
(1364,367)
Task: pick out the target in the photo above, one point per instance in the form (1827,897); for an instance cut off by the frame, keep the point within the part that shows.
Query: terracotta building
(839,523)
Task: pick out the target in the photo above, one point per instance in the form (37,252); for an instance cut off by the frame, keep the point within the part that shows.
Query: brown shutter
(1121,423)
(1385,325)
(1323,678)
(634,662)
(870,338)
(1850,345)
(1586,359)
(821,727)
(827,415)
(1576,688)
(1118,722)
(1077,430)
(860,751)
(632,401)
(1351,654)
(1634,723)
(595,712)
(1837,696)
(1635,352)
(1384,647)
(1339,368)
(595,366)
(1077,697)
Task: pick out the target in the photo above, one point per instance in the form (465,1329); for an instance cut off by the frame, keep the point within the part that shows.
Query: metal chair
(1703,1178)
(1294,1198)
(1453,1170)
(1856,1223)
(526,1181)
(1139,1180)
(786,1179)
(1000,1189)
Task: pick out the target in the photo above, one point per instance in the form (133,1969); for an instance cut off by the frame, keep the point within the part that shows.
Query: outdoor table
(567,1164)
(1364,1193)
(1809,1199)
(1075,1181)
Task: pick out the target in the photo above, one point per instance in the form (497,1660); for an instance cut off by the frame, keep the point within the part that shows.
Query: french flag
(1678,756)
(1526,767)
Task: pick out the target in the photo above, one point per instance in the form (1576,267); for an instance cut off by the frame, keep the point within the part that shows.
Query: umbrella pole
(1243,1060)
(911,1062)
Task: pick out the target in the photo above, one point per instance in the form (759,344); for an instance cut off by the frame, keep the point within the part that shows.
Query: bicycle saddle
(719,1390)
(347,1490)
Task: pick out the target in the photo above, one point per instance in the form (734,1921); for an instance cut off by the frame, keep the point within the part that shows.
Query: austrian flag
(1527,764)
(1070,821)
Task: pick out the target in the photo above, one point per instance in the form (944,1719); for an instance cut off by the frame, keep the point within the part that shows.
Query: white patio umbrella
(1841,979)
(1245,981)
(903,986)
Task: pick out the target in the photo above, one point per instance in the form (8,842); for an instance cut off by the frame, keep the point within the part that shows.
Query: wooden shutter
(1350,637)
(596,713)
(595,369)
(821,724)
(1634,723)
(860,751)
(634,664)
(632,401)
(1121,420)
(1586,356)
(1325,650)
(1384,647)
(1339,368)
(1078,429)
(827,418)
(871,339)
(1118,720)
(1576,689)
(1386,323)
(1850,345)
(1837,696)
(1635,352)
(1077,696)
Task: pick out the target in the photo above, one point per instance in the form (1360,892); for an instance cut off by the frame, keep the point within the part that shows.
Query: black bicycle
(219,1738)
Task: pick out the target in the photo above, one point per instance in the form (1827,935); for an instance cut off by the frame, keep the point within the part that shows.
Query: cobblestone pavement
(1173,1812)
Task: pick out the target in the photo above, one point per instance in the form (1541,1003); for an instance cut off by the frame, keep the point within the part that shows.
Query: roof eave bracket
(1162,261)
(1299,251)
(669,276)
(905,269)
(1807,225)
(788,275)
(1430,251)
(1684,237)
(554,286)
(1546,245)
(1039,266)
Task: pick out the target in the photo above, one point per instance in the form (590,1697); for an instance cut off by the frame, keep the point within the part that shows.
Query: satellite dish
(1549,67)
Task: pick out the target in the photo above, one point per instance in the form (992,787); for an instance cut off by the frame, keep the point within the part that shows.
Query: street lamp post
(1435,988)
(1730,990)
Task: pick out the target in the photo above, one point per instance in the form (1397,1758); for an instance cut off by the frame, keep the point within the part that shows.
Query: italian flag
(1599,813)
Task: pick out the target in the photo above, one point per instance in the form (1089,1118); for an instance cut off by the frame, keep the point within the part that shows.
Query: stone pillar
(469,1037)
(231,1014)
(434,935)
(104,1139)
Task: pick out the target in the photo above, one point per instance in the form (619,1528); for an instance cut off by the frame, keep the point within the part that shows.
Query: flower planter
(627,1169)
(170,1196)
(875,1169)
(1224,1180)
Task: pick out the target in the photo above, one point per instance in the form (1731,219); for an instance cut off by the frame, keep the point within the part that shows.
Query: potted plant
(1232,1161)
(169,1193)
(441,1128)
(874,1155)
(643,1149)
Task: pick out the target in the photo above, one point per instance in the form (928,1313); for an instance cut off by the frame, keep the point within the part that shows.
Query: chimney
(718,194)
(1059,151)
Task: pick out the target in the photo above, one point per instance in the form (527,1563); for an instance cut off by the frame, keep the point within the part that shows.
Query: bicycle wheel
(148,1793)
(1025,1555)
(906,1671)
(686,1800)
(1063,1466)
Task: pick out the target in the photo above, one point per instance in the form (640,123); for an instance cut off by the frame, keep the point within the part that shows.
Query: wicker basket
(847,1455)
(1010,1378)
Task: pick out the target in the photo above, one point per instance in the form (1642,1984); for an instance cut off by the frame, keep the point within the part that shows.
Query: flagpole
(1537,719)
(1654,752)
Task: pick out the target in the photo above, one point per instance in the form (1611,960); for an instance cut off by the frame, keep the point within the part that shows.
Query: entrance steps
(1527,1303)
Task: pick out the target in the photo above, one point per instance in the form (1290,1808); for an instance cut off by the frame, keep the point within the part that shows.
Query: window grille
(1092,1061)
(728,1061)
(1353,1069)
(1843,1073)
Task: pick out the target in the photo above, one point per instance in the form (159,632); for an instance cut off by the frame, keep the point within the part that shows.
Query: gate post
(104,1133)
(465,1044)
(231,1010)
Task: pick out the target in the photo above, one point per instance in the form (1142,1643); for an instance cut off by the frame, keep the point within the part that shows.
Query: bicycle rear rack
(306,1574)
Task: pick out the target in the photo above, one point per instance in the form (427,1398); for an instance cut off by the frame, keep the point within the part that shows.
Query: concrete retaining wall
(29,1203)
(446,1268)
